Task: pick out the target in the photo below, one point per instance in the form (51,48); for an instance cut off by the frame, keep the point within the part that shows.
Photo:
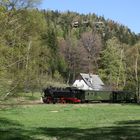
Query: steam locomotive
(75,95)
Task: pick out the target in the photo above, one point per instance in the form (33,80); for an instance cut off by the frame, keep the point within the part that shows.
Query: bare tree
(75,56)
(92,42)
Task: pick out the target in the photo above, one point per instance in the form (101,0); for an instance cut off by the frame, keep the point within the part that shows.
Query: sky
(126,12)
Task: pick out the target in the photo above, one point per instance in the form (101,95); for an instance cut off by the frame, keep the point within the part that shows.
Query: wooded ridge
(40,48)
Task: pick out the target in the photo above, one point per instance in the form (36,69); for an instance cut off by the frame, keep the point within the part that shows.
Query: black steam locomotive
(62,95)
(75,95)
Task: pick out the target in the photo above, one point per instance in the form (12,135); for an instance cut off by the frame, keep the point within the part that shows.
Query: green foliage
(133,69)
(112,62)
(19,4)
(38,47)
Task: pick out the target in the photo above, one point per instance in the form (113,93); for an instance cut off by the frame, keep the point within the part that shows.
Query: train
(75,95)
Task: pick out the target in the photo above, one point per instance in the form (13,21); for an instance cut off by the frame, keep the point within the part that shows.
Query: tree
(51,41)
(113,64)
(21,38)
(75,57)
(19,4)
(133,69)
(93,45)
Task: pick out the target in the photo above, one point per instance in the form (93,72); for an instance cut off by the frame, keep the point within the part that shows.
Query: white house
(89,82)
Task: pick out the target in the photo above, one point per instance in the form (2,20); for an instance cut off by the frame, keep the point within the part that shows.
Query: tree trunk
(136,77)
(27,66)
(118,78)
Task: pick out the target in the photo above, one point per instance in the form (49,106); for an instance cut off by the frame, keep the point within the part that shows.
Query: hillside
(41,48)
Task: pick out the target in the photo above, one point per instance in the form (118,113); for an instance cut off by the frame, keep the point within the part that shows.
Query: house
(89,82)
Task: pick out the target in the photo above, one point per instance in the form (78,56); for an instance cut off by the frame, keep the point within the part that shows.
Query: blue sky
(126,12)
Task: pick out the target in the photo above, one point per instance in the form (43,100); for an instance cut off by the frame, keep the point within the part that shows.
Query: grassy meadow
(70,122)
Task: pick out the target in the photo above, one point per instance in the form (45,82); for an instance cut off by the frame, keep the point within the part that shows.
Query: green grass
(70,122)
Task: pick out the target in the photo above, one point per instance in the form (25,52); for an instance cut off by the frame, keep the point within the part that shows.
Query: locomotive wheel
(54,102)
(62,101)
(44,100)
(49,101)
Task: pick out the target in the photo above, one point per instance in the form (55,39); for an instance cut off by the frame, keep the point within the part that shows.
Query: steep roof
(93,81)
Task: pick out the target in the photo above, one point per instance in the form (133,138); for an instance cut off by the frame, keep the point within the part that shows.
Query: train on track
(75,95)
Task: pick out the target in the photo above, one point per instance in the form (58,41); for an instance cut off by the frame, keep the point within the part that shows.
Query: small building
(89,82)
(75,24)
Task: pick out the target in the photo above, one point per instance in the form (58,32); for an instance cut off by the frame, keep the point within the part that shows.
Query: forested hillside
(40,48)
